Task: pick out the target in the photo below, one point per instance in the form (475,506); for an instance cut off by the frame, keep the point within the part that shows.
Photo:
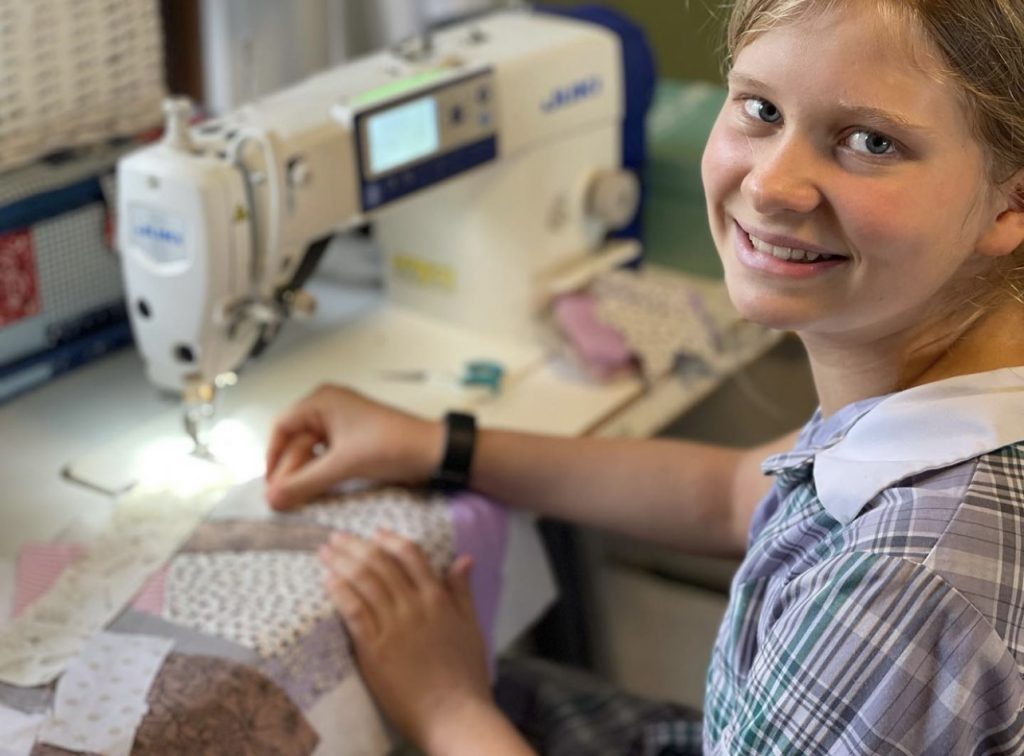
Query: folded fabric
(661,315)
(650,317)
(601,348)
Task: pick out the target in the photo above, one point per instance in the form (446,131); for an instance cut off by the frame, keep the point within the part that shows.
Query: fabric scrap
(264,600)
(101,697)
(34,700)
(421,517)
(245,501)
(314,665)
(663,315)
(148,525)
(602,349)
(186,640)
(279,535)
(481,530)
(200,704)
(40,564)
(8,570)
(18,731)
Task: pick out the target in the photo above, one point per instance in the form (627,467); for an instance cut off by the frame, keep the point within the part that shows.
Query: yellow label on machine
(422,272)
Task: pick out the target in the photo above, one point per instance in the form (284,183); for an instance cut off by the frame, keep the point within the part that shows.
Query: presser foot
(197,413)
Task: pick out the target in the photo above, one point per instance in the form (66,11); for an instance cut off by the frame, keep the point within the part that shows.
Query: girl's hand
(416,637)
(335,434)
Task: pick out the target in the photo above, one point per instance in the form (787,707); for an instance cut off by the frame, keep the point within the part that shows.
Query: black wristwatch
(460,439)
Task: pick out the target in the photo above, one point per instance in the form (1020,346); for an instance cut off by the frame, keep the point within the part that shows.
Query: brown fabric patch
(237,535)
(201,704)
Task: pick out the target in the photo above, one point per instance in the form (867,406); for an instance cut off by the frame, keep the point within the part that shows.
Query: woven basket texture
(77,72)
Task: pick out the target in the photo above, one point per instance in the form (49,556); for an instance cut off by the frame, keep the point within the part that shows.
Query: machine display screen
(403,134)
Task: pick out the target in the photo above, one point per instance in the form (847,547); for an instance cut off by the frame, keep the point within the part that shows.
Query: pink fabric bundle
(600,347)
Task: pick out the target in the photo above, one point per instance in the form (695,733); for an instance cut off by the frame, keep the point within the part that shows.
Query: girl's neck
(848,372)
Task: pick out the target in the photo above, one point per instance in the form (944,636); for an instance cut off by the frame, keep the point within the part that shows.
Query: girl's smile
(782,256)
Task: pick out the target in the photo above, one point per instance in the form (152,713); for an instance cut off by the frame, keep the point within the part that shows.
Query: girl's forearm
(677,493)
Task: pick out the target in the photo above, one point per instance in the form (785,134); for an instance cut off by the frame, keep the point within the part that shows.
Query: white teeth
(784,253)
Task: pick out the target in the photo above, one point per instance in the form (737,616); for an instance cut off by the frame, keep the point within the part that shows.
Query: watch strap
(460,441)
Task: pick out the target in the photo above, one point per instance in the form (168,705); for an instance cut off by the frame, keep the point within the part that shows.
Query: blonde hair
(982,51)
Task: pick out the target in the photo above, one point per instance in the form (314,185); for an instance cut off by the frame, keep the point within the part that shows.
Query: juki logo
(156,233)
(571,93)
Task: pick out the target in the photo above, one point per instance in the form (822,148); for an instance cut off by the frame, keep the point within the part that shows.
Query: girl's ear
(1006,233)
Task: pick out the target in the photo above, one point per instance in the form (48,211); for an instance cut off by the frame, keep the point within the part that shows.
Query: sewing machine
(487,155)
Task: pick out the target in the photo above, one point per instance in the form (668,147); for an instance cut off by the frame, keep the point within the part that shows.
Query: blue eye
(871,143)
(762,110)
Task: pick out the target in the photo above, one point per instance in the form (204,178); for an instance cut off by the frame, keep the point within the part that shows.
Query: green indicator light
(395,88)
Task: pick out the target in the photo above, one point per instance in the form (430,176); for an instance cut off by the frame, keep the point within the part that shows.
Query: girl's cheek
(726,160)
(876,218)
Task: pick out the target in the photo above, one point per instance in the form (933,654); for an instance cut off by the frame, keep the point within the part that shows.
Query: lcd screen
(402,135)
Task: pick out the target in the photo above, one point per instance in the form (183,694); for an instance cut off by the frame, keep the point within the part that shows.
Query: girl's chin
(769,311)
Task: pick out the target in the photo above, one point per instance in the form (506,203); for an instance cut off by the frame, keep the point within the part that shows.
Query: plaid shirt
(880,607)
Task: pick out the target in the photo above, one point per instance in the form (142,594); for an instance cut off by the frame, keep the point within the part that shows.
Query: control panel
(408,144)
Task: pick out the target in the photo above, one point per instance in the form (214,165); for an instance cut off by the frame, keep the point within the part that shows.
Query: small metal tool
(476,373)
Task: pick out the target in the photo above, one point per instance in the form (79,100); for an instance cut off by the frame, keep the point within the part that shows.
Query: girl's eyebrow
(883,119)
(872,116)
(745,80)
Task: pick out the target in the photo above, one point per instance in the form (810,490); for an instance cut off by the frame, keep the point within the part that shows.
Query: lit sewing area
(484,168)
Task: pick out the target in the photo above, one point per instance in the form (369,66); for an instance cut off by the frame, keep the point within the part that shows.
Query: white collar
(925,428)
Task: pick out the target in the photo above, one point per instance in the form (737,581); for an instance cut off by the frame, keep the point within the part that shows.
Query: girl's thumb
(459,581)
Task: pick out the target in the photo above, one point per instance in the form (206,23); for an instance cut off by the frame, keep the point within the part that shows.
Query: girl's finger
(302,417)
(359,574)
(317,476)
(459,583)
(377,558)
(411,558)
(358,615)
(297,452)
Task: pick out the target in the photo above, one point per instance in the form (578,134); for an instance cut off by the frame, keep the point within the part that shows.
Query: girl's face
(845,190)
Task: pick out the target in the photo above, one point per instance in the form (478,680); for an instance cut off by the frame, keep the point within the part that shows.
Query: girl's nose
(782,179)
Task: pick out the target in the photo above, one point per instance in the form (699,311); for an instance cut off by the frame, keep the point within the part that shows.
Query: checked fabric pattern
(900,632)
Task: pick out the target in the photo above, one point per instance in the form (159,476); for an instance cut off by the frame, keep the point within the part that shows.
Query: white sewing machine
(487,156)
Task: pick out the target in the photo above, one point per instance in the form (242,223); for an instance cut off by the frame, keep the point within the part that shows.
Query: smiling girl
(865,188)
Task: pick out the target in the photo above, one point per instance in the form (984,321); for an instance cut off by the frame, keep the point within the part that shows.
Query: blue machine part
(639,77)
(75,343)
(31,210)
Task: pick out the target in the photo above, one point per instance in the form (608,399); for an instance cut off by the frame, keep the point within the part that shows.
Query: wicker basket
(75,72)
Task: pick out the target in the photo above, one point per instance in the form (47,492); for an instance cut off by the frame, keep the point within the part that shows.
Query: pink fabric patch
(40,564)
(19,280)
(150,598)
(602,348)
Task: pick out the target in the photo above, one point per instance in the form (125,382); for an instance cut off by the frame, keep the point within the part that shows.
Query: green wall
(686,34)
